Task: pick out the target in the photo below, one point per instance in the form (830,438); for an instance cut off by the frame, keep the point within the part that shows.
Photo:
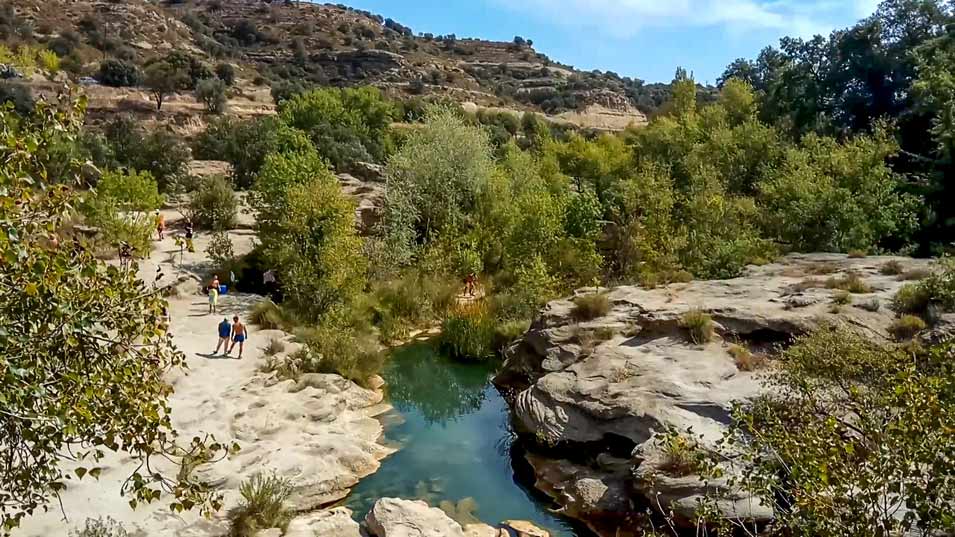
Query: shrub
(119,74)
(211,92)
(220,251)
(267,315)
(226,73)
(699,326)
(858,254)
(842,298)
(892,267)
(344,350)
(214,205)
(915,274)
(49,61)
(507,332)
(851,282)
(263,506)
(590,307)
(911,298)
(132,191)
(906,327)
(19,94)
(745,360)
(117,227)
(99,527)
(468,333)
(681,454)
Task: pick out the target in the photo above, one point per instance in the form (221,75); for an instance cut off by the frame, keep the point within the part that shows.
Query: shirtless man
(239,335)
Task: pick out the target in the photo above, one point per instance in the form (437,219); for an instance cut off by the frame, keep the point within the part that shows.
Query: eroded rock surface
(606,386)
(393,517)
(369,196)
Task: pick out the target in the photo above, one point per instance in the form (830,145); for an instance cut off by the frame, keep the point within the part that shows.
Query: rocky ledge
(588,396)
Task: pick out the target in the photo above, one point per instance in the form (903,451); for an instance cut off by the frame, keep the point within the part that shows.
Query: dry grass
(915,274)
(807,284)
(851,282)
(745,360)
(858,254)
(275,346)
(893,267)
(590,307)
(842,298)
(699,326)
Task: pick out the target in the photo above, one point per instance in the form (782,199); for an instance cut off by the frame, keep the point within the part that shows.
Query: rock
(335,522)
(391,517)
(370,199)
(574,393)
(524,528)
(366,171)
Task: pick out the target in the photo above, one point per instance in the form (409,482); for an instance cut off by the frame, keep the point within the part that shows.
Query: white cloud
(625,18)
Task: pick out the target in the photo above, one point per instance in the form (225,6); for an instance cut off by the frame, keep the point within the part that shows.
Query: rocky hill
(306,43)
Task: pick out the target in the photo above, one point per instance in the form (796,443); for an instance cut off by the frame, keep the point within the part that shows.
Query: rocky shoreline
(589,396)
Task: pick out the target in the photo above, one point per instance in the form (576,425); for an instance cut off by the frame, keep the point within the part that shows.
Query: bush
(99,527)
(132,191)
(906,327)
(699,326)
(268,316)
(214,205)
(119,74)
(220,251)
(911,298)
(893,267)
(226,73)
(275,346)
(343,350)
(590,307)
(842,298)
(263,506)
(468,333)
(507,332)
(212,93)
(858,254)
(915,274)
(745,360)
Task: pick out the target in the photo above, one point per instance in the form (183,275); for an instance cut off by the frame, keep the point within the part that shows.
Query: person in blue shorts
(239,336)
(225,332)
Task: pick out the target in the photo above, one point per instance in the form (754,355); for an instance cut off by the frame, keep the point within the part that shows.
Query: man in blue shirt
(225,334)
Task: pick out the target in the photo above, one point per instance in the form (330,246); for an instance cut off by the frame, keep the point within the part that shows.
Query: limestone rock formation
(370,198)
(391,517)
(335,522)
(606,386)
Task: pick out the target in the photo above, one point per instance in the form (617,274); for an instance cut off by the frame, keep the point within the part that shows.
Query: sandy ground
(319,432)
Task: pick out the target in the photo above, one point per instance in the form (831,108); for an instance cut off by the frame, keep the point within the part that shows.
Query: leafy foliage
(119,74)
(212,92)
(83,357)
(213,205)
(263,506)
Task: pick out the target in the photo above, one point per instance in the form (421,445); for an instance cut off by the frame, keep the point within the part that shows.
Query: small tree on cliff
(83,352)
(164,79)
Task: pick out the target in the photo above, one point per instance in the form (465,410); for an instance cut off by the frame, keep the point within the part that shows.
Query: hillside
(302,43)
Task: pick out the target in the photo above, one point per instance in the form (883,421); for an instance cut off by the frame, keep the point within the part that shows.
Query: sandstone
(335,522)
(581,394)
(391,517)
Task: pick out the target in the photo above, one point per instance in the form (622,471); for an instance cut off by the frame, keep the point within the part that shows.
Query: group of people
(231,334)
(184,241)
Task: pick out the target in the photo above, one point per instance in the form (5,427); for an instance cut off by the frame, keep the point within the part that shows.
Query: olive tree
(83,352)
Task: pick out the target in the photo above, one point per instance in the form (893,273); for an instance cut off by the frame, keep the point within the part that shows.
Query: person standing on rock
(214,295)
(225,333)
(189,236)
(238,336)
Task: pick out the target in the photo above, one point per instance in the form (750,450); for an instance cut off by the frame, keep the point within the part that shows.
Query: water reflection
(455,443)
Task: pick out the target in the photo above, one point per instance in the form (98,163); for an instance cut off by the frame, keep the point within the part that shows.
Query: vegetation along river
(455,445)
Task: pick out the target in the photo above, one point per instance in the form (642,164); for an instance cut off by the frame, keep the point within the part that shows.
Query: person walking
(160,225)
(190,233)
(469,283)
(238,335)
(225,333)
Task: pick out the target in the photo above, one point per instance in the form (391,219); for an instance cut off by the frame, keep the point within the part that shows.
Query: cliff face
(590,395)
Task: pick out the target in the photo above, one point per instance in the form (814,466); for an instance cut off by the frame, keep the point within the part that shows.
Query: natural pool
(452,428)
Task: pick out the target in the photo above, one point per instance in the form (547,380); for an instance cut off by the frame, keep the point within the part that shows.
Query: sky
(646,39)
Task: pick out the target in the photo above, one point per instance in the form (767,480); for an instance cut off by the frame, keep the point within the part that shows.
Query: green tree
(212,93)
(280,172)
(164,79)
(213,205)
(82,354)
(133,191)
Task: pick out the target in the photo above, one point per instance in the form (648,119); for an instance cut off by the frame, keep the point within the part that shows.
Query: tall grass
(699,326)
(590,307)
(344,350)
(468,333)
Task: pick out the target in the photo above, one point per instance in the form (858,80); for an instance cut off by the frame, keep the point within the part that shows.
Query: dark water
(455,445)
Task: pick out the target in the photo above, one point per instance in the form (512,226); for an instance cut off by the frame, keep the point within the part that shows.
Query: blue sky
(646,39)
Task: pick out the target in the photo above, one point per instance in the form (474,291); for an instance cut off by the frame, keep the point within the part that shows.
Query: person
(215,282)
(189,235)
(160,225)
(225,332)
(125,254)
(238,335)
(164,320)
(213,297)
(469,284)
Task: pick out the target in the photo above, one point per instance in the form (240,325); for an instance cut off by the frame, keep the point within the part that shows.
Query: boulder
(609,384)
(370,198)
(524,528)
(391,517)
(335,522)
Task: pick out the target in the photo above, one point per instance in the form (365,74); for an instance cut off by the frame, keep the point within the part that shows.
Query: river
(454,438)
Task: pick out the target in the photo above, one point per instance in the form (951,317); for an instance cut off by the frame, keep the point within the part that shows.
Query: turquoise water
(455,443)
